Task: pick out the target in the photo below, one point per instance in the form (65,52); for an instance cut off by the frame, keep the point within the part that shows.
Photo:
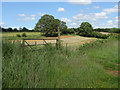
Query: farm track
(69,40)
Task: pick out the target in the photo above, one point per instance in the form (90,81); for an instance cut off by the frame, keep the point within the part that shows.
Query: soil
(66,39)
(114,72)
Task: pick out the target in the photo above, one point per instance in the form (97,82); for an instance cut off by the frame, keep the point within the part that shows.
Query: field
(12,35)
(70,40)
(90,65)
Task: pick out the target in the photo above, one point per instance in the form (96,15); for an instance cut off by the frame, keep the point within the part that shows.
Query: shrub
(24,35)
(110,30)
(18,35)
(99,35)
(94,34)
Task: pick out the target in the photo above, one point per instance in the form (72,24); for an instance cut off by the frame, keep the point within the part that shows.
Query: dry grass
(105,33)
(69,40)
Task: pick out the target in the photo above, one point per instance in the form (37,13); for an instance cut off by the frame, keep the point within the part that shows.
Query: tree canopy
(85,28)
(48,25)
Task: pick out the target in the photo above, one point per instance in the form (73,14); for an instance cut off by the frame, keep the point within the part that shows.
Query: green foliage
(24,29)
(99,35)
(101,49)
(85,28)
(68,31)
(24,35)
(49,26)
(18,35)
(110,30)
(50,68)
(7,49)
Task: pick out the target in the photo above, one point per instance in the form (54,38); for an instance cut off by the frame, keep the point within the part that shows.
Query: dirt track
(70,40)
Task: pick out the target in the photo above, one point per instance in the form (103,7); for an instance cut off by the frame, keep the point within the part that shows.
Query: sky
(27,14)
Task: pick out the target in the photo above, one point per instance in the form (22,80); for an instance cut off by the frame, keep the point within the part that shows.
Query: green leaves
(87,27)
(48,25)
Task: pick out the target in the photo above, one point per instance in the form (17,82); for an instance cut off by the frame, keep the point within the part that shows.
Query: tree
(20,29)
(15,30)
(48,25)
(24,29)
(85,29)
(10,29)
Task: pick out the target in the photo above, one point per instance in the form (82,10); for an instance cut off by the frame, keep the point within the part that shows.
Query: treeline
(75,30)
(24,29)
(48,25)
(110,30)
(67,31)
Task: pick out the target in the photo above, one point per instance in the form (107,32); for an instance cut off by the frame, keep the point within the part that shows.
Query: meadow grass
(13,35)
(51,68)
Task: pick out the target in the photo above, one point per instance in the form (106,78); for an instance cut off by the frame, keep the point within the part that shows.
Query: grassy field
(88,66)
(13,35)
(70,39)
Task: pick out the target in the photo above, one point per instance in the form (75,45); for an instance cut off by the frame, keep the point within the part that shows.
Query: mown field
(70,39)
(89,66)
(13,35)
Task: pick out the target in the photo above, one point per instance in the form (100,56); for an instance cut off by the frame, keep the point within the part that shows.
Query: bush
(110,30)
(94,34)
(24,35)
(68,31)
(49,34)
(18,35)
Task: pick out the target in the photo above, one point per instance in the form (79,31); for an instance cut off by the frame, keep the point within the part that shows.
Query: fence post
(58,37)
(23,43)
(35,43)
(57,43)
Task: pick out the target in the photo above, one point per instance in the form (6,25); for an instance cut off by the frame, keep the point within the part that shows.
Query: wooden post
(23,43)
(58,37)
(57,43)
(35,43)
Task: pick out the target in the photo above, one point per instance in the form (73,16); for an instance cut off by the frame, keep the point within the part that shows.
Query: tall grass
(52,68)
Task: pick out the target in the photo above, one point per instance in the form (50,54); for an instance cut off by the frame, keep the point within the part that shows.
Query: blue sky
(26,14)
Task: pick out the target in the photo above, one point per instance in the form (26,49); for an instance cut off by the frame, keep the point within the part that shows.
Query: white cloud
(90,17)
(21,15)
(108,24)
(65,19)
(27,19)
(100,14)
(61,9)
(96,7)
(84,2)
(93,18)
(1,23)
(30,28)
(15,27)
(110,21)
(73,24)
(117,19)
(111,10)
(41,14)
(97,19)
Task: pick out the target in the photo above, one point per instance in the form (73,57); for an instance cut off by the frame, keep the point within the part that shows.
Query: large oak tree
(85,29)
(48,25)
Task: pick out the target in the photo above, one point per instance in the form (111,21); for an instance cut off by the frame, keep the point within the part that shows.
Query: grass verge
(52,68)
